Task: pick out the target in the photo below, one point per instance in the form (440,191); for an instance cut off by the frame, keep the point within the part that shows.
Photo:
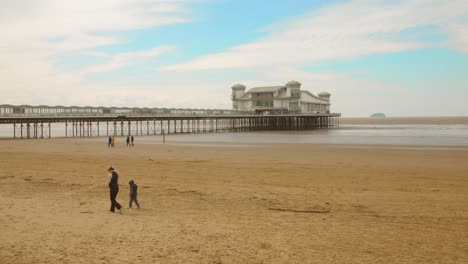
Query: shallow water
(450,135)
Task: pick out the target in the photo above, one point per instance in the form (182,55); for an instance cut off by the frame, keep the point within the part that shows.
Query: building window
(295,95)
(18,110)
(262,95)
(293,105)
(264,103)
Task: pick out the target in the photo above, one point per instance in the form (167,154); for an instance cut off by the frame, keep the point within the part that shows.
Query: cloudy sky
(403,58)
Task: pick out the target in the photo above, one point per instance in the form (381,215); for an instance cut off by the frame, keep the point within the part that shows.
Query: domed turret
(293,84)
(238,91)
(324,96)
(238,87)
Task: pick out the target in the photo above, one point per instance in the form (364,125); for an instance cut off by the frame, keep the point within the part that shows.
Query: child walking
(133,194)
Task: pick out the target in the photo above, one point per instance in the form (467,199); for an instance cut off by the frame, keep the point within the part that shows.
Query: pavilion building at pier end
(288,98)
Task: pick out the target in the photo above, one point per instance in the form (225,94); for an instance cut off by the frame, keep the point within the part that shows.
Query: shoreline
(148,141)
(425,120)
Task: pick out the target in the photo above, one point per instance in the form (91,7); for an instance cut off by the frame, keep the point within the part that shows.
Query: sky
(402,58)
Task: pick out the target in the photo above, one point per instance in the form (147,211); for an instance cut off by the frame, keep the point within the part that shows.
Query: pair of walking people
(113,182)
(111,141)
(130,140)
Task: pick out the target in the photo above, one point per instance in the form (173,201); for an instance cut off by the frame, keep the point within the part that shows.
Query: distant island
(378,115)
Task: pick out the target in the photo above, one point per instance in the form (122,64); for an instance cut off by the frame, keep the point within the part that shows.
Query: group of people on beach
(111,141)
(113,182)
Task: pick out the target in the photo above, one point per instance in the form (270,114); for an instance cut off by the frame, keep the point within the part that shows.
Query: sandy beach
(263,203)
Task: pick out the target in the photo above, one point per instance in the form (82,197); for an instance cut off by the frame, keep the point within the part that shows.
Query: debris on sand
(310,211)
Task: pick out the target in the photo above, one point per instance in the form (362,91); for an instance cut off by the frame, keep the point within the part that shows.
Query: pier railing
(54,111)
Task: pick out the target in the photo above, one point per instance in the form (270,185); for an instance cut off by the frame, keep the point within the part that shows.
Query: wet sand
(281,203)
(445,120)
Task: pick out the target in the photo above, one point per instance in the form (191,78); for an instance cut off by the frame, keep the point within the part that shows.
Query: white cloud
(123,59)
(77,24)
(341,31)
(34,33)
(458,37)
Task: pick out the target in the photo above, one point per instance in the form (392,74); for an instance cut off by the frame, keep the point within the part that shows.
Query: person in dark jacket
(109,142)
(133,194)
(128,141)
(132,138)
(113,181)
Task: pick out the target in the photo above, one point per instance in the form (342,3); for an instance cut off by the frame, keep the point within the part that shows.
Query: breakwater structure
(33,122)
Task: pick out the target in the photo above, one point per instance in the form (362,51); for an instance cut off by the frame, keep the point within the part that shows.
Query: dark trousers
(133,199)
(114,203)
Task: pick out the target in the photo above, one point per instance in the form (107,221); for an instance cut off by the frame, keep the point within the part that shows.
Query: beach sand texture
(281,203)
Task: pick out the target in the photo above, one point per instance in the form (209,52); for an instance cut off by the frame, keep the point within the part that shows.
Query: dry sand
(445,120)
(212,204)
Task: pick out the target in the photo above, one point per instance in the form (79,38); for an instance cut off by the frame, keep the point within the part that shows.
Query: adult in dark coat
(113,181)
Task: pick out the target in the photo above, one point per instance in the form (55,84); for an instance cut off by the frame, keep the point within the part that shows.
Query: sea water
(453,135)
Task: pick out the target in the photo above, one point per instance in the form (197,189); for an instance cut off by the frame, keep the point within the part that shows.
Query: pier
(46,122)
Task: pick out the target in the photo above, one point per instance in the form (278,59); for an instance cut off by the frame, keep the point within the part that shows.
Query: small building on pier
(288,98)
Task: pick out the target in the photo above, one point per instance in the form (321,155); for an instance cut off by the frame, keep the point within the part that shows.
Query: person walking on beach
(132,139)
(109,142)
(128,141)
(113,181)
(113,141)
(133,194)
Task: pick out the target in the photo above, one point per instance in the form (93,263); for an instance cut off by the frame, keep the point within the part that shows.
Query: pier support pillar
(147,127)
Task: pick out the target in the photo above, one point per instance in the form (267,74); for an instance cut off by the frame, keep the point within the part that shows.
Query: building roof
(293,83)
(265,89)
(238,86)
(312,98)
